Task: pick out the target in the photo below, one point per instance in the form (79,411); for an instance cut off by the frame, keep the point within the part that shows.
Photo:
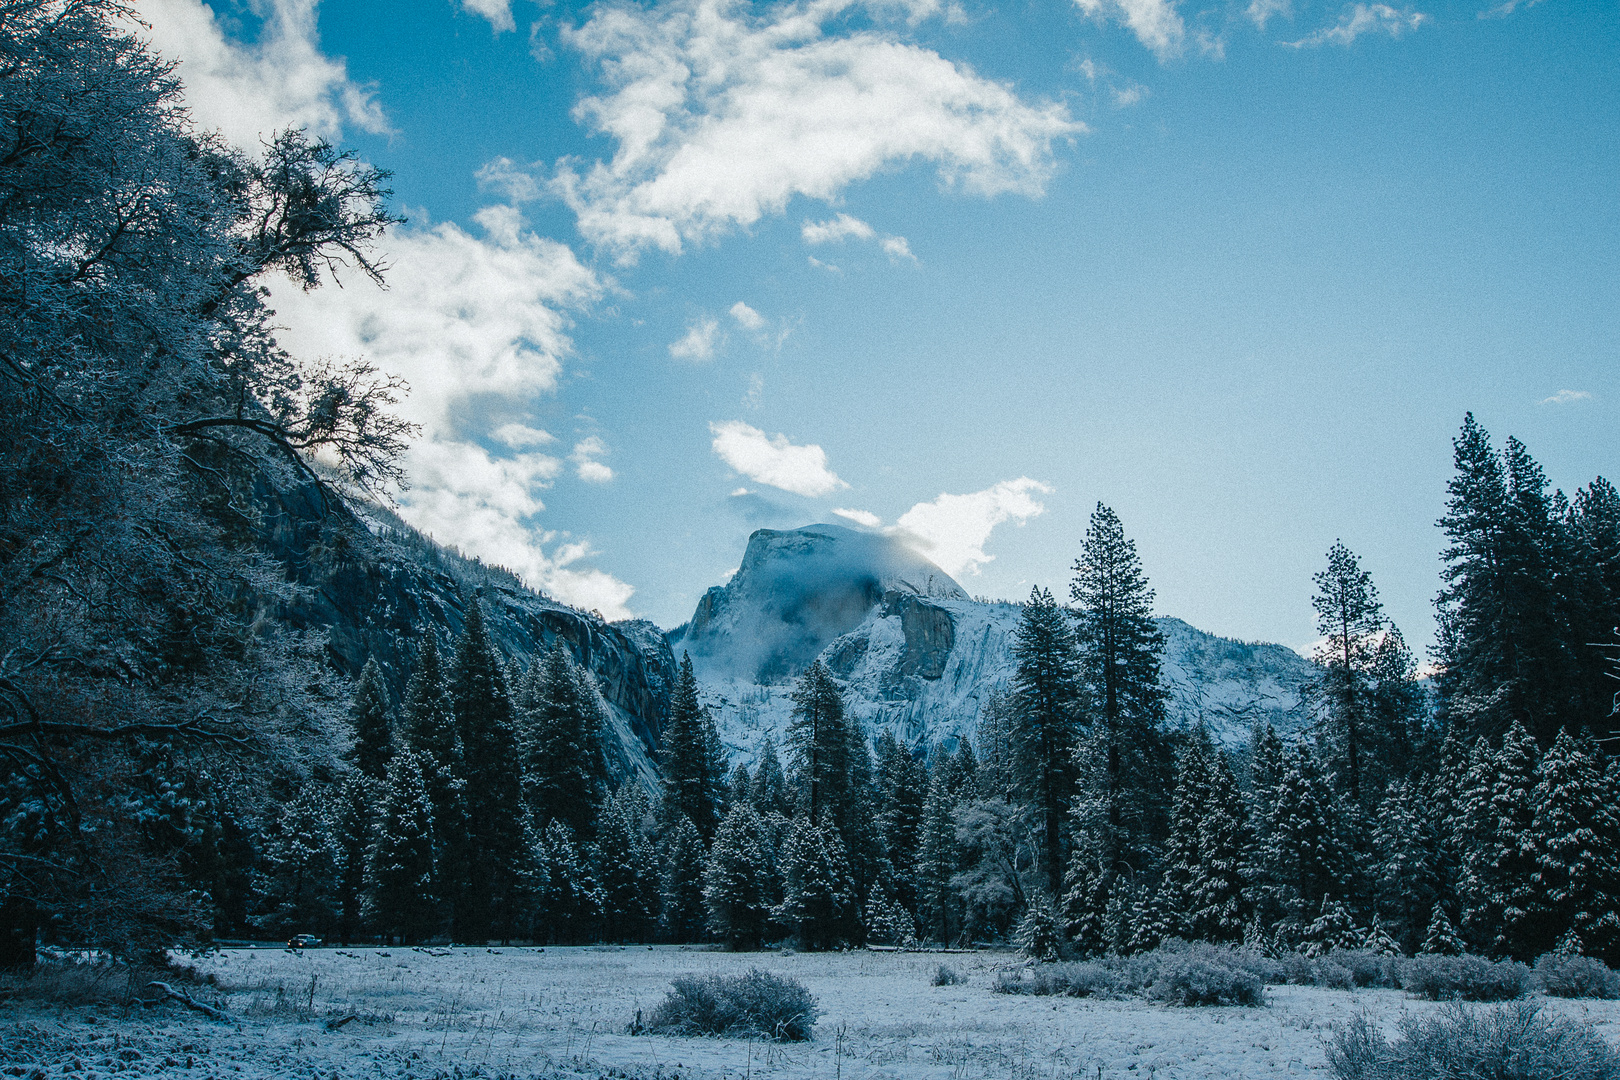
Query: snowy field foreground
(467,1012)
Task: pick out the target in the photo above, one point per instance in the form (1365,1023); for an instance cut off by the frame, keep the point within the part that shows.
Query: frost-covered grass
(528,1012)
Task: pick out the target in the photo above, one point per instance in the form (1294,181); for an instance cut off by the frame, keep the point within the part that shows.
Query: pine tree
(1334,928)
(900,815)
(494,865)
(1407,881)
(564,773)
(1351,618)
(818,905)
(936,862)
(768,787)
(1046,695)
(684,915)
(735,888)
(1575,838)
(625,868)
(819,739)
(298,873)
(1503,659)
(373,735)
(1120,646)
(687,756)
(1215,891)
(1183,852)
(572,903)
(353,820)
(1306,857)
(997,774)
(1589,596)
(429,725)
(1441,937)
(1495,887)
(1039,934)
(400,896)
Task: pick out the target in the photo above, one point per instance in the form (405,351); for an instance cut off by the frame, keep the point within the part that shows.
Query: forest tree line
(1479,814)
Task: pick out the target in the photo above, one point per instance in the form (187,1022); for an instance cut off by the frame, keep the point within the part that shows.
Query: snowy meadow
(567,1011)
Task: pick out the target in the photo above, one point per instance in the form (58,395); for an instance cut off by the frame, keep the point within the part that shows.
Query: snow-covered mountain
(915,654)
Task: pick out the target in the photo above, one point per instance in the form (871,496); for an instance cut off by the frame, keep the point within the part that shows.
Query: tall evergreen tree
(429,725)
(684,915)
(1350,617)
(904,788)
(1576,843)
(625,868)
(1183,851)
(373,734)
(400,895)
(1497,813)
(818,906)
(1216,889)
(819,738)
(1120,646)
(494,866)
(735,886)
(936,862)
(768,787)
(1046,700)
(571,908)
(297,870)
(1406,843)
(1503,659)
(687,756)
(353,821)
(564,773)
(1306,858)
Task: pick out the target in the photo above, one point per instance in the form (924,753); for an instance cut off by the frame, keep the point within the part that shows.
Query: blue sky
(679,270)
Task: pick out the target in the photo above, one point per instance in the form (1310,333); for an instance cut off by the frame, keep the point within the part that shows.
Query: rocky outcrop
(914,655)
(798,590)
(376,589)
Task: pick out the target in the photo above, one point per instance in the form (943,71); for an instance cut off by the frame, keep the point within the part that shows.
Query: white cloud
(747,316)
(247,92)
(1502,11)
(1567,397)
(952,530)
(897,248)
(756,391)
(1359,19)
(1129,96)
(843,227)
(521,436)
(586,467)
(698,344)
(833,230)
(723,113)
(801,470)
(498,12)
(831,268)
(860,517)
(468,319)
(503,175)
(1156,23)
(1261,12)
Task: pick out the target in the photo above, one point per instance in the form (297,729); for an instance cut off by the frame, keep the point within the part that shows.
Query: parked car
(303,941)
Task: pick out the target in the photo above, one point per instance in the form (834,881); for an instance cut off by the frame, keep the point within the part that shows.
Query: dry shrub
(1562,975)
(1465,978)
(1506,1042)
(757,1003)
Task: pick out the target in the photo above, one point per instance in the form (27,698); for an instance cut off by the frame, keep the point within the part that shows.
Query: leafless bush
(1512,1042)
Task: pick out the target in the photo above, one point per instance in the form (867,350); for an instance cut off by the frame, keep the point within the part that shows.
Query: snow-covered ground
(524,1011)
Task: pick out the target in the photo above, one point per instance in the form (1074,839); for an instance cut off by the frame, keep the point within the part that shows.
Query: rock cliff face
(375,588)
(915,655)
